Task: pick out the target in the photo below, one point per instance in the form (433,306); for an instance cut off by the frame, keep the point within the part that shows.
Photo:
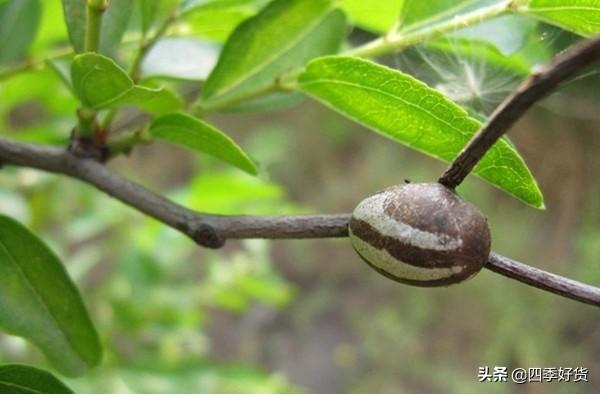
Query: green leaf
(100,83)
(152,11)
(75,19)
(19,20)
(377,17)
(38,301)
(404,109)
(114,23)
(148,10)
(23,379)
(216,19)
(578,16)
(422,13)
(282,37)
(62,68)
(192,133)
(192,6)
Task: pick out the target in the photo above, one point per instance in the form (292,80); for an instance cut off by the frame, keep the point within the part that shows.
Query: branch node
(86,147)
(207,236)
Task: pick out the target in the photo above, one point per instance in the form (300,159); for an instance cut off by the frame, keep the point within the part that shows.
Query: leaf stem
(86,118)
(125,142)
(202,108)
(32,64)
(95,10)
(396,42)
(147,44)
(8,73)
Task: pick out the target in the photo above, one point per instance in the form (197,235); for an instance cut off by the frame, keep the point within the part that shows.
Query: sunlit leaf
(114,23)
(422,13)
(282,37)
(23,379)
(216,19)
(193,133)
(377,17)
(100,83)
(404,109)
(38,301)
(190,6)
(19,20)
(578,16)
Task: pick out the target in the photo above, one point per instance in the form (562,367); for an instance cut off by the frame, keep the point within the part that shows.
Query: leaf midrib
(110,100)
(563,8)
(398,98)
(257,69)
(10,384)
(114,99)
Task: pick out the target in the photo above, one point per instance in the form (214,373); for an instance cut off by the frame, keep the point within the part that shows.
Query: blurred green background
(310,316)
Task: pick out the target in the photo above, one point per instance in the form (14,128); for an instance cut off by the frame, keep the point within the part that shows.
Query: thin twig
(541,83)
(147,44)
(213,230)
(544,280)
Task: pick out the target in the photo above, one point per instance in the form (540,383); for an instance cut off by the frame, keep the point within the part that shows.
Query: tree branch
(542,81)
(543,280)
(213,230)
(206,229)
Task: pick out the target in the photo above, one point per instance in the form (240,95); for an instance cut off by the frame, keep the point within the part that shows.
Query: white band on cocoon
(371,211)
(386,262)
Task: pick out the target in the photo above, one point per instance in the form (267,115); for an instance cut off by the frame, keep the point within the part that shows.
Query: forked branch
(541,83)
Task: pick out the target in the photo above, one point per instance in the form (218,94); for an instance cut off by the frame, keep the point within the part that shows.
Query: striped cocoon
(421,234)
